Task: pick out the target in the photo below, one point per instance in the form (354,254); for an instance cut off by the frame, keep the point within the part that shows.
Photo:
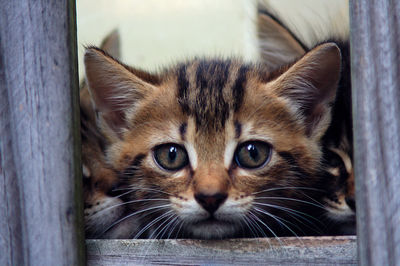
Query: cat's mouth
(211,220)
(212,228)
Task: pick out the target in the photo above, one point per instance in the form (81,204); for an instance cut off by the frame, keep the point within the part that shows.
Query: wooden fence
(40,185)
(375,47)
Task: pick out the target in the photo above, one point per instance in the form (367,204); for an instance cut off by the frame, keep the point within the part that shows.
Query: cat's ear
(310,84)
(115,89)
(277,44)
(111,44)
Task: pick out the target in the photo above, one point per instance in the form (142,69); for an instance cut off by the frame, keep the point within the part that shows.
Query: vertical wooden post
(375,47)
(40,189)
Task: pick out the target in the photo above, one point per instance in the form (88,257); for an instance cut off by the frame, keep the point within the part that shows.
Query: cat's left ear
(277,44)
(115,89)
(310,85)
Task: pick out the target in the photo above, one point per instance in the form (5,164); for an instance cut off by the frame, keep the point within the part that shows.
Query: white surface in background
(314,20)
(155,33)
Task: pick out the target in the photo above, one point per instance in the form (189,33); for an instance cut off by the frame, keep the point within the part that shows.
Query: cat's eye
(171,156)
(252,154)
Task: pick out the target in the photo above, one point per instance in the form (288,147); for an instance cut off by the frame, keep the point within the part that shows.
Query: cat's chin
(212,229)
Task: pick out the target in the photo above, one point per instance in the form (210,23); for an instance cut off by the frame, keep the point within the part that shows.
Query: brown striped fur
(279,46)
(102,206)
(209,107)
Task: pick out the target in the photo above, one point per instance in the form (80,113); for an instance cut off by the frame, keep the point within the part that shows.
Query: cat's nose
(210,203)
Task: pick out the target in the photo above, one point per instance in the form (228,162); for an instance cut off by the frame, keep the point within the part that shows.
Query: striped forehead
(207,146)
(211,90)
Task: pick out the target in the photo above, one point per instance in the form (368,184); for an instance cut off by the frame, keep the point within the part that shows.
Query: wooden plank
(375,47)
(255,251)
(40,188)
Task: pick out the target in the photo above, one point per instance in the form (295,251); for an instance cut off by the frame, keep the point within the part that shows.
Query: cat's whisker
(152,223)
(250,224)
(121,189)
(155,208)
(280,220)
(289,210)
(169,215)
(256,225)
(293,199)
(285,188)
(130,202)
(165,227)
(258,220)
(242,224)
(180,228)
(312,199)
(175,223)
(159,231)
(265,225)
(250,221)
(134,189)
(123,194)
(160,228)
(292,213)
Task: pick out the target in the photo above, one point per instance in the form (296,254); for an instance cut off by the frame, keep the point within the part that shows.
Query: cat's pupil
(253,152)
(172,154)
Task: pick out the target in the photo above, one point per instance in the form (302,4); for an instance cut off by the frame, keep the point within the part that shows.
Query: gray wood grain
(255,251)
(375,47)
(40,193)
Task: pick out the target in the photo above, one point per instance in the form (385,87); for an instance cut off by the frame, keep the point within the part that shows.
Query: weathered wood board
(39,153)
(375,48)
(257,251)
(40,190)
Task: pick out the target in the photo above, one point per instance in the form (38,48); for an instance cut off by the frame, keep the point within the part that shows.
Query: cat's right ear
(115,89)
(277,44)
(310,84)
(112,44)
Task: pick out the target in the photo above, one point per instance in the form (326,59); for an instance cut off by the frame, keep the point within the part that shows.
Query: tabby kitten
(279,46)
(339,202)
(217,148)
(103,206)
(102,209)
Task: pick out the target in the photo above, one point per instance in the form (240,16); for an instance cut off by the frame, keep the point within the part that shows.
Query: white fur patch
(229,153)
(192,155)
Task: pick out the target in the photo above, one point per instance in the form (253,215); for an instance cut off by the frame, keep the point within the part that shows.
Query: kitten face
(103,208)
(216,148)
(340,201)
(210,192)
(277,46)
